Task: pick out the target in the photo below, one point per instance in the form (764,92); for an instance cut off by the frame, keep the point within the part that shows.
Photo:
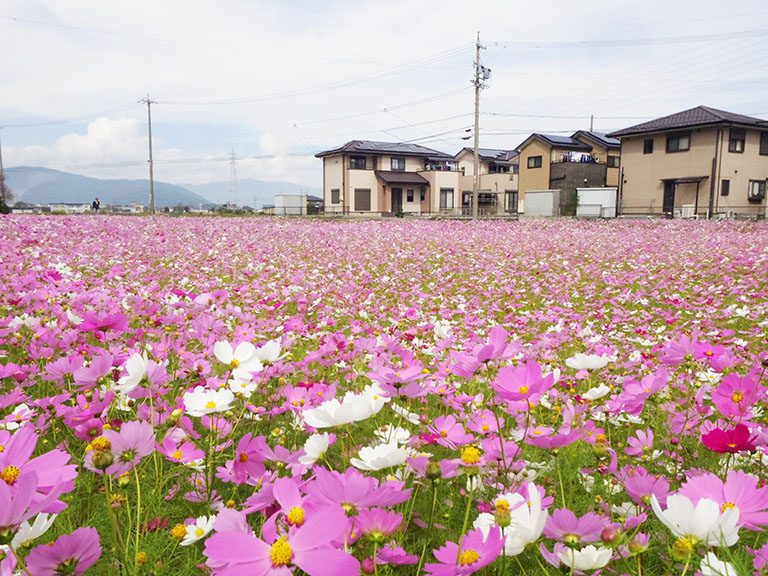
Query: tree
(6,196)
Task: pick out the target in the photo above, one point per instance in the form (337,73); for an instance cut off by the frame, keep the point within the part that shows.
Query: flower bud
(609,535)
(503,517)
(681,549)
(103,459)
(433,471)
(367,566)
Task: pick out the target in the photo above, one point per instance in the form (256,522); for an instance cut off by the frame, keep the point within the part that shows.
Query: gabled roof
(395,177)
(394,148)
(600,138)
(491,154)
(699,116)
(561,142)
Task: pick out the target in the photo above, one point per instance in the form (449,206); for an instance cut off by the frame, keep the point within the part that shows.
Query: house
(364,177)
(498,186)
(700,161)
(583,160)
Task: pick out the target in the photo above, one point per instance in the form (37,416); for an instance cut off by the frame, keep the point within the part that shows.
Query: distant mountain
(36,185)
(251,192)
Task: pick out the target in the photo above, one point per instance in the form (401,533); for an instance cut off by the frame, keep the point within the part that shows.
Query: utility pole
(233,195)
(591,122)
(149,103)
(481,73)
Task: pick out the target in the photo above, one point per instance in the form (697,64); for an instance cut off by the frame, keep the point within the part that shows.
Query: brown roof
(393,177)
(699,116)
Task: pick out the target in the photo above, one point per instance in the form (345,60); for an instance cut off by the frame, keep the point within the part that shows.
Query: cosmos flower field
(271,397)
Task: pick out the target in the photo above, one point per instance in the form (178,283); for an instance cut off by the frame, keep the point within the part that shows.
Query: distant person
(96,205)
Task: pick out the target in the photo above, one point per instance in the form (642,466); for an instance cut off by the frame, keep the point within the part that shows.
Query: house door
(397,200)
(669,197)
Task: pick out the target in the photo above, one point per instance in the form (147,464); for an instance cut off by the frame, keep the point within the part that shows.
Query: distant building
(696,162)
(69,207)
(132,208)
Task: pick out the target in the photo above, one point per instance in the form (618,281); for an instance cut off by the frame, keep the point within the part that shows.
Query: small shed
(596,202)
(291,204)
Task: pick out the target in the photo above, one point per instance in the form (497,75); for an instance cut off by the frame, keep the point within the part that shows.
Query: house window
(756,191)
(363,199)
(409,196)
(764,143)
(335,196)
(679,142)
(423,194)
(496,169)
(446,198)
(648,146)
(357,162)
(725,187)
(534,162)
(398,164)
(613,161)
(738,138)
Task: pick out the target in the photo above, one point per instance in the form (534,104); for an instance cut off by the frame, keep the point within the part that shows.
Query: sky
(271,83)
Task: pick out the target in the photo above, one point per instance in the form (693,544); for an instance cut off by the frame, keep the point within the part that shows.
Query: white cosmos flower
(244,387)
(136,367)
(703,523)
(352,408)
(29,532)
(597,392)
(269,352)
(527,520)
(712,566)
(202,401)
(198,530)
(375,458)
(588,558)
(581,361)
(394,434)
(243,360)
(410,416)
(315,448)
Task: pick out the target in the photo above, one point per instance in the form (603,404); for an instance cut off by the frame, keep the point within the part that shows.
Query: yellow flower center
(177,455)
(199,532)
(101,444)
(281,552)
(523,389)
(443,433)
(296,516)
(9,474)
(726,506)
(234,364)
(737,396)
(470,455)
(502,505)
(468,557)
(211,404)
(243,457)
(486,428)
(601,438)
(179,531)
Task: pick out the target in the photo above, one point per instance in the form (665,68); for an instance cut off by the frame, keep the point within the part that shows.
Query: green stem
(560,479)
(138,508)
(687,563)
(375,565)
(429,528)
(464,525)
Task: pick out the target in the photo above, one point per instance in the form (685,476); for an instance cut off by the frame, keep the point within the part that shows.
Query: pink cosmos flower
(739,489)
(640,445)
(249,461)
(676,351)
(448,468)
(183,453)
(735,395)
(98,371)
(404,381)
(564,525)
(96,323)
(737,439)
(378,523)
(70,554)
(451,432)
(353,490)
(475,553)
(640,485)
(393,554)
(134,441)
(309,547)
(522,383)
(544,437)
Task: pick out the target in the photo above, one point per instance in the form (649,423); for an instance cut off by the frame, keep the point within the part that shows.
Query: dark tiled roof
(699,116)
(393,177)
(567,142)
(372,147)
(491,153)
(599,137)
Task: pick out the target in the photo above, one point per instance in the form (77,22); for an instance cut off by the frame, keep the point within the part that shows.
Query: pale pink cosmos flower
(70,554)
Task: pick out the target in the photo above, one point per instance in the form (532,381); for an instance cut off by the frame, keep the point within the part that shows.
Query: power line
(71,120)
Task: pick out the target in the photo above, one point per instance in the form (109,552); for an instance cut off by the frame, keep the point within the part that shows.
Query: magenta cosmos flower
(736,394)
(475,553)
(736,439)
(566,526)
(309,547)
(70,554)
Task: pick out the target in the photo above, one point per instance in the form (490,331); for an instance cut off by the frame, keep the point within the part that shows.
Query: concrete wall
(333,172)
(739,168)
(567,176)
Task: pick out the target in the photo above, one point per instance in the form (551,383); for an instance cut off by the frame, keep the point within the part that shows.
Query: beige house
(364,177)
(583,160)
(701,162)
(498,186)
